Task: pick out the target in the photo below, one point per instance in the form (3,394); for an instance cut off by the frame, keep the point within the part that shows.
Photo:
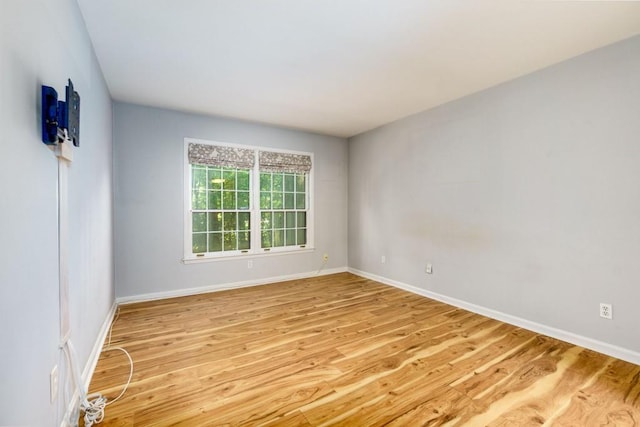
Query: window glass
(220,204)
(283,221)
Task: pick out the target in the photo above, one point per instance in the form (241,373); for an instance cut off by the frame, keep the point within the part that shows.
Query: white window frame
(254,186)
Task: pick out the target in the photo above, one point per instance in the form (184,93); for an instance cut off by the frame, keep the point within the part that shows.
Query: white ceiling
(337,67)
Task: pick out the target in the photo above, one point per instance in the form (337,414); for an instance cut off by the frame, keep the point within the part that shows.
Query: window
(283,209)
(220,209)
(242,200)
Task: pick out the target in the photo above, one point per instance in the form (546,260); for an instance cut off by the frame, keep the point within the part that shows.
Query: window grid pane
(283,201)
(221,204)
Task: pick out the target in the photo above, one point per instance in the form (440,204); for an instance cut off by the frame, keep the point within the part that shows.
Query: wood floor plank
(293,419)
(347,351)
(619,381)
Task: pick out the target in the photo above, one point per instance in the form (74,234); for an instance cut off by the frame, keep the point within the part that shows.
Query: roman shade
(271,161)
(221,156)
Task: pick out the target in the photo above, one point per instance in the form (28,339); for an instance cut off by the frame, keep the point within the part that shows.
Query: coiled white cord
(93,409)
(93,405)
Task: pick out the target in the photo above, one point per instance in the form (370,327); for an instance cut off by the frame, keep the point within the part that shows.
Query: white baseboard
(90,366)
(226,286)
(582,341)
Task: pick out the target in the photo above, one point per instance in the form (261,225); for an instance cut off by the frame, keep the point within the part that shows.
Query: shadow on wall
(445,232)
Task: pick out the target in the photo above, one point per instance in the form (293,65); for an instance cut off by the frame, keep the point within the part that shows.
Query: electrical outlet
(428,269)
(325,257)
(383,259)
(53,383)
(606,311)
(250,263)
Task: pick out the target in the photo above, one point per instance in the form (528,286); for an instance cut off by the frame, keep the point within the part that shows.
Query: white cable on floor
(324,262)
(111,327)
(93,405)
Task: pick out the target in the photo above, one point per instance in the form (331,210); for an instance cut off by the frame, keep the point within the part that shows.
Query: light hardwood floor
(344,350)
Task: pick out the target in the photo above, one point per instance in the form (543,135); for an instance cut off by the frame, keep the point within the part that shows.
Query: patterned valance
(284,162)
(216,155)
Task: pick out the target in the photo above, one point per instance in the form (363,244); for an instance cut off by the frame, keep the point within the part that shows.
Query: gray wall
(29,313)
(149,194)
(525,197)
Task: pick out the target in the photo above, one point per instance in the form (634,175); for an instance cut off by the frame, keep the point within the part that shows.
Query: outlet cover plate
(428,269)
(606,311)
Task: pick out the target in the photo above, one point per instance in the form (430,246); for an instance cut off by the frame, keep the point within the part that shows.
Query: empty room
(320,213)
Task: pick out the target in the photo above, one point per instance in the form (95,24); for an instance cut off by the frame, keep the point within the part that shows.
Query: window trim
(254,179)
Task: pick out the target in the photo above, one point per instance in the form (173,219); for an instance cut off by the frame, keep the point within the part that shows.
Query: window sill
(197,260)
